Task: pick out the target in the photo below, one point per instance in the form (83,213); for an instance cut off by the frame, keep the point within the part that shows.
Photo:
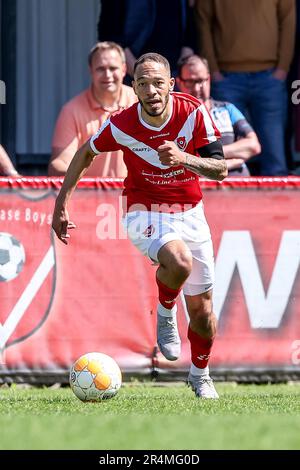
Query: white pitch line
(27,296)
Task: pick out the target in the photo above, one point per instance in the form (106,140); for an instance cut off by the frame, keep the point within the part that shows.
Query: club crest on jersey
(181,143)
(149,231)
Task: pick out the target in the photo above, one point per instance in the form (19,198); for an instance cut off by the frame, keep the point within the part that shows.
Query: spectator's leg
(268,115)
(234,89)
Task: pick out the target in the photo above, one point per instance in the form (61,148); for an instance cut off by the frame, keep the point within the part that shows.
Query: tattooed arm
(211,168)
(211,164)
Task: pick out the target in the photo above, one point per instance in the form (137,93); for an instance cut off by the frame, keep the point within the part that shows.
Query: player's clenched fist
(170,155)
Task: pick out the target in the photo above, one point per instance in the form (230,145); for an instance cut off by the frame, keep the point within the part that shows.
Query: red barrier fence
(98,293)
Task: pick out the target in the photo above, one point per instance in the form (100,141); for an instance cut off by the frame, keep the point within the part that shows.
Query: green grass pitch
(143,416)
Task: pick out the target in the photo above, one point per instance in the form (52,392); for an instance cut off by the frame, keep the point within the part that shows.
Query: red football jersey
(149,183)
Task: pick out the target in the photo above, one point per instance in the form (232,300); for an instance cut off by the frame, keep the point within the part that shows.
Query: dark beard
(155,114)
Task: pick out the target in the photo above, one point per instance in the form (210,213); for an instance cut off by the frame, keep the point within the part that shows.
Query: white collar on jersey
(144,123)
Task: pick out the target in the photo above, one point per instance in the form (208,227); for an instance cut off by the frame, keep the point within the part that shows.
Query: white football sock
(199,372)
(166,312)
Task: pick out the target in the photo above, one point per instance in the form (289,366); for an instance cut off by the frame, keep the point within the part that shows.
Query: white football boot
(168,339)
(202,386)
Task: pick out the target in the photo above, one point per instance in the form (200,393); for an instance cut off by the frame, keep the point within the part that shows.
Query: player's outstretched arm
(78,166)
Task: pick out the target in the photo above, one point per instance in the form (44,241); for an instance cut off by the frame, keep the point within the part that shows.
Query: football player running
(168,140)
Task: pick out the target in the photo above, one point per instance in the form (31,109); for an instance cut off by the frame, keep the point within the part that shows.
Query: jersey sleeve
(205,130)
(240,124)
(103,140)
